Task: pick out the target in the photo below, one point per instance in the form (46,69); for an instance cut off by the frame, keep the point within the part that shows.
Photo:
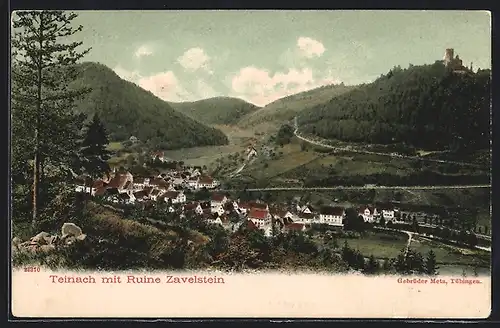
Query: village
(171,187)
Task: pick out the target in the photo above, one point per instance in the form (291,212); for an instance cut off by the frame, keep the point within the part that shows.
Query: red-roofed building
(207,182)
(262,206)
(218,199)
(259,216)
(119,181)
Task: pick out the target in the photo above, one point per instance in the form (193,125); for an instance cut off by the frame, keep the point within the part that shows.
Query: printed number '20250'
(32,269)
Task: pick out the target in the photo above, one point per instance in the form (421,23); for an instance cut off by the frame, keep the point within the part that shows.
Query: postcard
(251,164)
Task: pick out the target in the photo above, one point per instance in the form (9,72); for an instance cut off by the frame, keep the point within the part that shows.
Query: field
(451,255)
(115,146)
(382,245)
(239,140)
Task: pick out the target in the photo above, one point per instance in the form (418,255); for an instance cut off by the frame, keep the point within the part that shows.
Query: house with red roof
(122,182)
(218,199)
(259,217)
(207,182)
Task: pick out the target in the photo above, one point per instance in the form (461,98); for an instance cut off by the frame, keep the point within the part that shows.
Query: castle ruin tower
(448,57)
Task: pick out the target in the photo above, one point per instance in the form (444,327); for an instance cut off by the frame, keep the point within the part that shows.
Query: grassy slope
(276,113)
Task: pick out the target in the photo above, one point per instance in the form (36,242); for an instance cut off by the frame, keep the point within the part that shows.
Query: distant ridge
(217,110)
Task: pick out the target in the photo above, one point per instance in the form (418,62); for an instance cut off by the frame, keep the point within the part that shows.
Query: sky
(261,56)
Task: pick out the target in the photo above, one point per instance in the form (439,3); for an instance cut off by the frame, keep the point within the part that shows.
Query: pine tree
(372,265)
(430,263)
(44,126)
(346,252)
(93,149)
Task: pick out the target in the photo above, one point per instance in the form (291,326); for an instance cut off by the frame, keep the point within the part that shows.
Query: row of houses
(124,187)
(262,216)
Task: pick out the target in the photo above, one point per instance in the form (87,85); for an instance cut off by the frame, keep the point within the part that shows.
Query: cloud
(143,51)
(195,59)
(261,87)
(165,86)
(310,48)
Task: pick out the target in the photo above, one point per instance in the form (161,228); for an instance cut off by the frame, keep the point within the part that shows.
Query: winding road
(296,128)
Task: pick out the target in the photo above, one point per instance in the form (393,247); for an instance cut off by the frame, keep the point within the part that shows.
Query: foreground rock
(44,242)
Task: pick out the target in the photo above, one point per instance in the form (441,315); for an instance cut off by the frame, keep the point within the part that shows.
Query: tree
(93,149)
(43,119)
(372,265)
(415,227)
(430,263)
(353,221)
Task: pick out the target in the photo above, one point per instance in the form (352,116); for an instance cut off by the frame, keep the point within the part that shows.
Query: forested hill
(428,106)
(286,108)
(218,110)
(128,110)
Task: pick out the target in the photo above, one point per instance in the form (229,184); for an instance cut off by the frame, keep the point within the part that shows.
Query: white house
(176,197)
(195,173)
(219,209)
(306,210)
(192,183)
(369,213)
(268,229)
(306,218)
(207,182)
(251,152)
(332,215)
(387,212)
